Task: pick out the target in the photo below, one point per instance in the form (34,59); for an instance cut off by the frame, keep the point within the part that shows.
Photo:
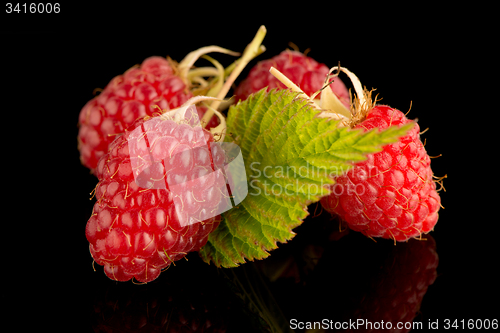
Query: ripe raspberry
(392,193)
(140,91)
(304,71)
(160,186)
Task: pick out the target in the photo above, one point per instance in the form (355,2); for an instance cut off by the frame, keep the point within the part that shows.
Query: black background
(53,63)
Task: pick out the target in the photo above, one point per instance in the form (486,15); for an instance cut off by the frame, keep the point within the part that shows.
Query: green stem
(252,50)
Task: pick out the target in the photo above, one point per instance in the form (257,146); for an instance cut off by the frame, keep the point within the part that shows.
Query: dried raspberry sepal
(336,110)
(251,51)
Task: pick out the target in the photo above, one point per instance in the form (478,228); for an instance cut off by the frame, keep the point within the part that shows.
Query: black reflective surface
(325,279)
(53,65)
(323,276)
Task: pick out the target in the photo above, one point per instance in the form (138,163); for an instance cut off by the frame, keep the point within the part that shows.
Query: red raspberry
(392,193)
(159,189)
(140,91)
(304,71)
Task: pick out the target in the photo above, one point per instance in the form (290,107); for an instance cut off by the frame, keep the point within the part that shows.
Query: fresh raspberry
(397,291)
(392,193)
(160,186)
(304,71)
(140,91)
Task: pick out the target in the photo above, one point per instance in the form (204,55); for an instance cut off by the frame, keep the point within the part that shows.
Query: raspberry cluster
(162,179)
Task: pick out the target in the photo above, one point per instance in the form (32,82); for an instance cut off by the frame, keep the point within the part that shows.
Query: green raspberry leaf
(291,157)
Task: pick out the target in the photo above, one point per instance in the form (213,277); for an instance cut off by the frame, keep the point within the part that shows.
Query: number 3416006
(32,8)
(471,324)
